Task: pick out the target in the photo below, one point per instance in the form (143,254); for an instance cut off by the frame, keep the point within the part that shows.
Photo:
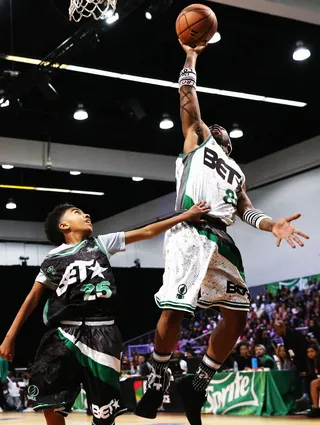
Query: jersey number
(230,198)
(92,292)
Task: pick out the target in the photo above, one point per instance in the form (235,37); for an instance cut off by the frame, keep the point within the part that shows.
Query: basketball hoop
(97,9)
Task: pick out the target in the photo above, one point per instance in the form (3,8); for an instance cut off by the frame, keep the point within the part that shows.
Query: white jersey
(208,174)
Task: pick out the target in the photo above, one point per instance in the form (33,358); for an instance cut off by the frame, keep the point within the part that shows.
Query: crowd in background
(282,333)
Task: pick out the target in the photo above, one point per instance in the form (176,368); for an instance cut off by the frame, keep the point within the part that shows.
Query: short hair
(51,226)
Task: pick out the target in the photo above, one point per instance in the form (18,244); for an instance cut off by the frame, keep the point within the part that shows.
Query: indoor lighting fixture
(7,166)
(166,123)
(51,189)
(11,205)
(81,114)
(137,179)
(236,132)
(4,103)
(155,82)
(108,14)
(301,53)
(148,15)
(113,18)
(215,38)
(75,173)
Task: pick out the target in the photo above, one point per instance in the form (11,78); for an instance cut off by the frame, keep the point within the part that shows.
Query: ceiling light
(215,38)
(108,14)
(236,132)
(156,82)
(75,173)
(112,18)
(7,166)
(166,123)
(51,189)
(301,53)
(137,179)
(4,103)
(11,205)
(148,15)
(81,114)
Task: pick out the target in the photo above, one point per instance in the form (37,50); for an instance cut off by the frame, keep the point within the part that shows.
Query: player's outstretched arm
(282,228)
(30,303)
(194,130)
(193,214)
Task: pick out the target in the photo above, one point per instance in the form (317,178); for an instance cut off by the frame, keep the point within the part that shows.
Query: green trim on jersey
(100,371)
(187,202)
(99,245)
(182,154)
(230,252)
(68,251)
(45,312)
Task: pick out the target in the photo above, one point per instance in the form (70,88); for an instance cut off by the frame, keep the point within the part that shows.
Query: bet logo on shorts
(33,391)
(182,290)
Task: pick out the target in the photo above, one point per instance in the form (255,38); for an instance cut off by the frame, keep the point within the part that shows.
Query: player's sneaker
(314,413)
(192,400)
(152,400)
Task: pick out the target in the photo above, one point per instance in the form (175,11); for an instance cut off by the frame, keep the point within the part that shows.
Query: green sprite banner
(300,282)
(236,394)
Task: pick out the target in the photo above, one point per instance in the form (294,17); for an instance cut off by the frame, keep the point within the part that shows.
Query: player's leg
(315,393)
(222,340)
(102,372)
(55,381)
(52,418)
(166,337)
(185,266)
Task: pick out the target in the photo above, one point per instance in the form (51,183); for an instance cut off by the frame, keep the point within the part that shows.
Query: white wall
(263,261)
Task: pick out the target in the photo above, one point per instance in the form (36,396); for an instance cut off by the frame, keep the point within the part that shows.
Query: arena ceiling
(254,56)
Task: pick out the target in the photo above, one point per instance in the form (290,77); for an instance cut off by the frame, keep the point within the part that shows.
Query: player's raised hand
(7,349)
(282,229)
(196,212)
(199,48)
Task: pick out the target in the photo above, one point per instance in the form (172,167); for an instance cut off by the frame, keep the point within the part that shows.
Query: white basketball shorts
(203,268)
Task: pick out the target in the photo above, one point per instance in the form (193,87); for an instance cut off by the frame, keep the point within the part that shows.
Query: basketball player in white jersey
(203,267)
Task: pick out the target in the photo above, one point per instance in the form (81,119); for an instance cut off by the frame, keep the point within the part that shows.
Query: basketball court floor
(162,419)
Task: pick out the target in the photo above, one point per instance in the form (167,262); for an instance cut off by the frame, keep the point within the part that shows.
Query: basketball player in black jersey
(83,344)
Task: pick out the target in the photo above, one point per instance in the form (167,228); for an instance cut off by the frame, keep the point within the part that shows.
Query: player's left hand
(196,49)
(196,212)
(282,229)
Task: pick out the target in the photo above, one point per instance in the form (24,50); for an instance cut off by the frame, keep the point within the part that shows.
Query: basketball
(196,24)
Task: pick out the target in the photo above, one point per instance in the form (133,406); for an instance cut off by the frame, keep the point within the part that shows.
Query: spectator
(284,360)
(242,356)
(4,366)
(177,364)
(314,374)
(295,344)
(144,367)
(314,328)
(263,338)
(264,361)
(125,364)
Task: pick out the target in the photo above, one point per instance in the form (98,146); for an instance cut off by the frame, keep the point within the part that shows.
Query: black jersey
(82,280)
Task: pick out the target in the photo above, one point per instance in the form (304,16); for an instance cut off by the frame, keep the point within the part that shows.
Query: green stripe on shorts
(100,371)
(175,306)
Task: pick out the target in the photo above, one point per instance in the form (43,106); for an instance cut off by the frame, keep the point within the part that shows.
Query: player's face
(75,220)
(221,136)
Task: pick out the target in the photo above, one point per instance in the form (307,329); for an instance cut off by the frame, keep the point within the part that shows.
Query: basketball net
(97,9)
